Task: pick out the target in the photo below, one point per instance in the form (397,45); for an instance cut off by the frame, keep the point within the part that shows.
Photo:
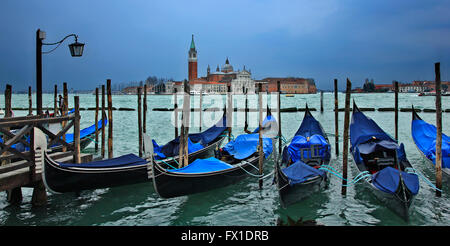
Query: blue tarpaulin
(211,133)
(309,127)
(121,161)
(196,141)
(299,172)
(203,166)
(424,135)
(388,180)
(362,129)
(367,137)
(69,136)
(246,144)
(86,131)
(301,142)
(192,147)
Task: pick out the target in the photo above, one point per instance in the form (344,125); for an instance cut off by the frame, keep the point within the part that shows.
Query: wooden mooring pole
(246,113)
(103,122)
(260,145)
(321,101)
(346,128)
(396,109)
(96,119)
(139,91)
(110,119)
(76,131)
(187,120)
(439,130)
(144,113)
(55,101)
(200,111)
(30,102)
(65,107)
(229,111)
(66,97)
(336,117)
(175,111)
(280,143)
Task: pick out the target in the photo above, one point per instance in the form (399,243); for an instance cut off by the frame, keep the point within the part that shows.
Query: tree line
(150,80)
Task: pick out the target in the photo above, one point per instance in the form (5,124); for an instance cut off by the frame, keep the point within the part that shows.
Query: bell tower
(192,69)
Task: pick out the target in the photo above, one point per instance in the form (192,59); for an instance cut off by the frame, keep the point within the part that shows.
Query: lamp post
(76,50)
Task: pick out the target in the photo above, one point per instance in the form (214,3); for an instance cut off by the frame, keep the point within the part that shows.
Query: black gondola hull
(61,179)
(291,194)
(169,184)
(392,202)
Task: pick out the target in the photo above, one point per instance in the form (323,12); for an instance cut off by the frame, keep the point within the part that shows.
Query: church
(240,81)
(216,82)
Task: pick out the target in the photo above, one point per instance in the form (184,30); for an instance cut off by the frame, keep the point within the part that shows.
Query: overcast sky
(126,41)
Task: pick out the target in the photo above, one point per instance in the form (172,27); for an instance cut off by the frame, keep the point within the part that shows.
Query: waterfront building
(289,85)
(217,82)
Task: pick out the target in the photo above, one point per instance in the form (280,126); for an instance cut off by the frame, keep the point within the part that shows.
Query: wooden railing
(14,159)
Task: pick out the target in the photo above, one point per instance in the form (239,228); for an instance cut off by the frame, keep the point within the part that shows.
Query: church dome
(226,68)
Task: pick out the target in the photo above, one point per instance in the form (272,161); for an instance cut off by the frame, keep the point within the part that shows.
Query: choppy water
(242,203)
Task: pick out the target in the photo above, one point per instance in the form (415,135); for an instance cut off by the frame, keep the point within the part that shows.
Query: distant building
(416,86)
(384,87)
(289,85)
(132,90)
(216,82)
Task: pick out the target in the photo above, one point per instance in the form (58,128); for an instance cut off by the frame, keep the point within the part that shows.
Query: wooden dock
(17,174)
(21,155)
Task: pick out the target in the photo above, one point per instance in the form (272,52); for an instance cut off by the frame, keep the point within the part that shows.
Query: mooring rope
(249,173)
(412,170)
(168,164)
(356,179)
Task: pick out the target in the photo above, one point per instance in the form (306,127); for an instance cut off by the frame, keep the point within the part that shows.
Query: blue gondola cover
(301,142)
(246,144)
(203,166)
(388,180)
(158,150)
(299,172)
(424,135)
(363,129)
(69,136)
(86,131)
(121,161)
(211,133)
(196,141)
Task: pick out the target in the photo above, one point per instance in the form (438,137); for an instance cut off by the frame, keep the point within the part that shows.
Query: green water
(243,203)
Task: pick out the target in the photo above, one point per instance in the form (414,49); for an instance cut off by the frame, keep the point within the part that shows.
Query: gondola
(378,155)
(230,164)
(299,175)
(123,170)
(424,136)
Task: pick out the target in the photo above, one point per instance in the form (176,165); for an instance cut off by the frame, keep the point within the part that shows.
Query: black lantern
(76,49)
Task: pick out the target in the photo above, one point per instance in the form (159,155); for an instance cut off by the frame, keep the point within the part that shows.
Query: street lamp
(76,50)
